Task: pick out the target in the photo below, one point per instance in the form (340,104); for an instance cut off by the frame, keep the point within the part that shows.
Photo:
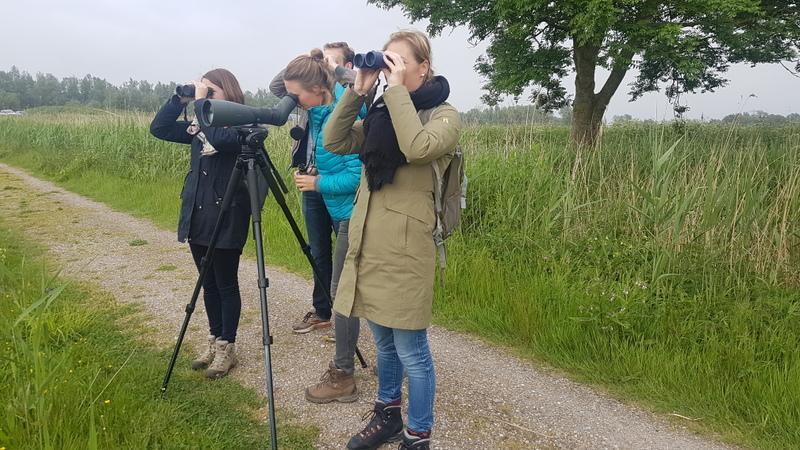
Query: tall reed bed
(660,264)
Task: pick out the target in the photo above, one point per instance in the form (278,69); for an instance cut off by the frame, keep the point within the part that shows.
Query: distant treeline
(745,118)
(517,114)
(20,90)
(529,114)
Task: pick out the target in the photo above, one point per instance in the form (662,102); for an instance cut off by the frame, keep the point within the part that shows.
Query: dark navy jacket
(206,181)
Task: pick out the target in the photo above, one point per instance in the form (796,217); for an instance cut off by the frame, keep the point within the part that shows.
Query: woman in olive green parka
(389,270)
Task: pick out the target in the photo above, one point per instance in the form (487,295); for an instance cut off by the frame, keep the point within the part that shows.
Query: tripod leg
(262,293)
(268,170)
(271,167)
(236,176)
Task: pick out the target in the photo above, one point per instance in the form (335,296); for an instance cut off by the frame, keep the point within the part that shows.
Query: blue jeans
(319,227)
(406,348)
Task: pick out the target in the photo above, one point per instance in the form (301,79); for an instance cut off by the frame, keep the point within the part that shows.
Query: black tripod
(252,157)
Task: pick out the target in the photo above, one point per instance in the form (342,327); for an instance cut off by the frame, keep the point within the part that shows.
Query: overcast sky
(179,40)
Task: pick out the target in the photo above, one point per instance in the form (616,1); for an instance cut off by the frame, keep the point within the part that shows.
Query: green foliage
(20,90)
(661,265)
(687,44)
(761,118)
(114,159)
(77,374)
(512,115)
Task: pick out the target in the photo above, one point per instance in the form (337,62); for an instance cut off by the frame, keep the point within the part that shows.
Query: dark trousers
(221,291)
(319,227)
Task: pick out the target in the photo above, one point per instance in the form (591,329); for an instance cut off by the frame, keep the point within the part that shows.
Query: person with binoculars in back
(388,273)
(335,178)
(213,156)
(319,223)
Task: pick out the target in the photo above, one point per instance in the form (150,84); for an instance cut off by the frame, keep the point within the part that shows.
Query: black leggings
(221,291)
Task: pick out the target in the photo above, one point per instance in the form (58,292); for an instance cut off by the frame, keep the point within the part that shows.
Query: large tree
(682,45)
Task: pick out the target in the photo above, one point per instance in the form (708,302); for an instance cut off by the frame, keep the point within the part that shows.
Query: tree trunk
(589,107)
(587,115)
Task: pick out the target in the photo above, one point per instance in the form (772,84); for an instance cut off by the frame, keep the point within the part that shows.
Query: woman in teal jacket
(336,177)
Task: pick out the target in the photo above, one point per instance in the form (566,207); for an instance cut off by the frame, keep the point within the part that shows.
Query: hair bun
(317,54)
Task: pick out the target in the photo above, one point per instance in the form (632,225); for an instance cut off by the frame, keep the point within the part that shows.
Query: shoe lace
(308,316)
(220,361)
(327,376)
(211,350)
(376,416)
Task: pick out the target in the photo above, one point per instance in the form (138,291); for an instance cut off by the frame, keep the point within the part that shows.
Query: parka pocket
(416,205)
(414,222)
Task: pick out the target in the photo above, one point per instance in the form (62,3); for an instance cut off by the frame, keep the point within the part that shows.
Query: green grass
(661,265)
(112,158)
(76,375)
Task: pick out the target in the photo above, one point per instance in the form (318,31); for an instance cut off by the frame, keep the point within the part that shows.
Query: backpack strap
(438,232)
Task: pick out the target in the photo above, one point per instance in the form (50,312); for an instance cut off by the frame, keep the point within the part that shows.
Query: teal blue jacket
(339,175)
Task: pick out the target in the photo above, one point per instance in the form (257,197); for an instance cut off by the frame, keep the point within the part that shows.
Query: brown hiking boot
(224,360)
(204,360)
(310,322)
(334,386)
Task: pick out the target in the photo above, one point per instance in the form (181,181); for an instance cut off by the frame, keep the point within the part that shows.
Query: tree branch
(621,65)
(795,74)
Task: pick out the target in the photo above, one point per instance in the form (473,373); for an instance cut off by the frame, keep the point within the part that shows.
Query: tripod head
(251,137)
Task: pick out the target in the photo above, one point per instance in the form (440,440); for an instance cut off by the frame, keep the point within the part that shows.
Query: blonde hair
(311,71)
(420,45)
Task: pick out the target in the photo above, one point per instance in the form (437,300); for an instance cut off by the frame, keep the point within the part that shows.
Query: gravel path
(486,398)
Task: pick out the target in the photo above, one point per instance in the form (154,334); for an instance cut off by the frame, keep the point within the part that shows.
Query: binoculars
(187,90)
(370,60)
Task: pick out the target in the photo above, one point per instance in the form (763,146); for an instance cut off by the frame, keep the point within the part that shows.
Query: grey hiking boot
(207,357)
(335,386)
(224,360)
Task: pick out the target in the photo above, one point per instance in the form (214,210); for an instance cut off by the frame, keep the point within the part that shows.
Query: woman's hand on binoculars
(200,89)
(186,100)
(397,68)
(365,80)
(305,183)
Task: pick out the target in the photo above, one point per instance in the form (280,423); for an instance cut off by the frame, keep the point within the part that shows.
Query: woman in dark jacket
(213,156)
